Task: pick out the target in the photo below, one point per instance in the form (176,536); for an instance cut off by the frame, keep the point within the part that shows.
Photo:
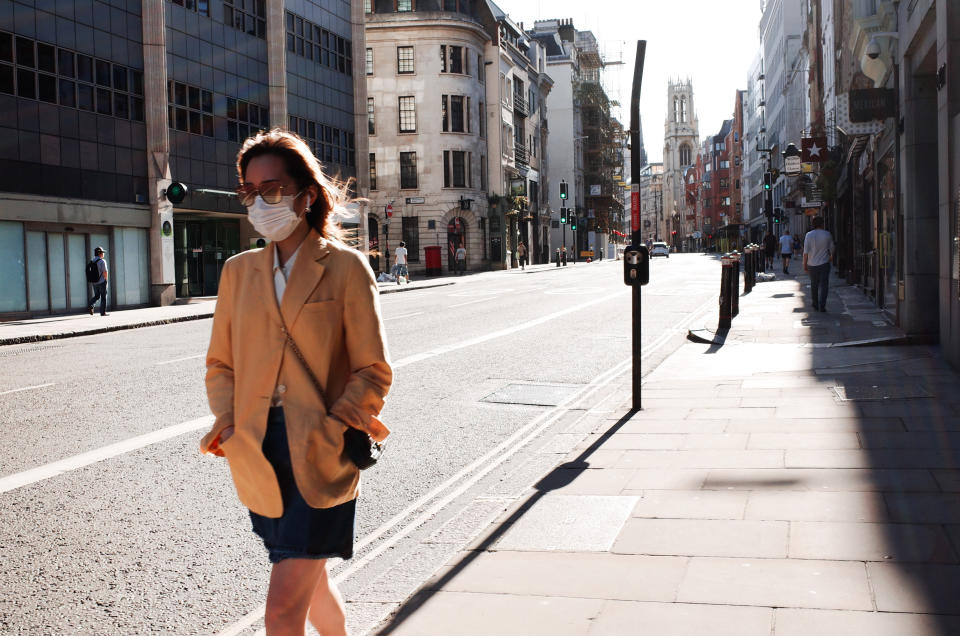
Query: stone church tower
(681,141)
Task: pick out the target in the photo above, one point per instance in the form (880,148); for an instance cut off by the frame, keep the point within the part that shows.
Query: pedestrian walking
(770,249)
(818,249)
(522,254)
(97,275)
(400,263)
(786,251)
(296,356)
(460,258)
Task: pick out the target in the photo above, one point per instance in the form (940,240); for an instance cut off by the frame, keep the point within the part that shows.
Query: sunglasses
(271,193)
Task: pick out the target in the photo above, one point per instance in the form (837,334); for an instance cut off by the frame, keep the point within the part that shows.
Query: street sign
(791,165)
(635,207)
(813,149)
(414,200)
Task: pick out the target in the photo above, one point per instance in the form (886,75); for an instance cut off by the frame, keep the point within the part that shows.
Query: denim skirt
(302,532)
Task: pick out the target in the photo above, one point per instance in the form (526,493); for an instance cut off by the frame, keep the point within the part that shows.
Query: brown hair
(817,222)
(303,168)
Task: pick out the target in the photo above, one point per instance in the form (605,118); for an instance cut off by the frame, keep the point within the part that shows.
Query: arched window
(684,155)
(683,109)
(676,109)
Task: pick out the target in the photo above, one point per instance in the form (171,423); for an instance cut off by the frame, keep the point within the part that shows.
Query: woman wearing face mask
(282,436)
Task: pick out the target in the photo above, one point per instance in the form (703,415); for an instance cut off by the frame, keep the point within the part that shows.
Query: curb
(400,288)
(719,337)
(99,330)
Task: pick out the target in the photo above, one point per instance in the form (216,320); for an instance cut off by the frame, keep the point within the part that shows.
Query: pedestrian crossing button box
(636,265)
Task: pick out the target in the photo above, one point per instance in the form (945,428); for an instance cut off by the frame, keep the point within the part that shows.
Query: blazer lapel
(307,272)
(264,282)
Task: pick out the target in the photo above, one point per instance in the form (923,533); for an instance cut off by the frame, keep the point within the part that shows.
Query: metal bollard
(735,284)
(747,268)
(563,257)
(725,283)
(558,257)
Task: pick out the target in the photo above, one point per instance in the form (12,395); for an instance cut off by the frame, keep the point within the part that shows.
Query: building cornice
(394,22)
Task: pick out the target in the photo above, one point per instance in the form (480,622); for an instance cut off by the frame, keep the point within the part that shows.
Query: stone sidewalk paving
(779,483)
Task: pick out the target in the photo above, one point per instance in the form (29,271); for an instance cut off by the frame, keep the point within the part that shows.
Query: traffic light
(777,215)
(767,180)
(563,216)
(563,190)
(573,223)
(175,192)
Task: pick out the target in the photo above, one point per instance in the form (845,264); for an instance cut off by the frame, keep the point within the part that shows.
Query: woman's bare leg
(327,613)
(292,585)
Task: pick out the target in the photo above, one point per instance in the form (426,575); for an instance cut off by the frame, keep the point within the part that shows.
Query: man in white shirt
(817,251)
(786,250)
(400,263)
(460,256)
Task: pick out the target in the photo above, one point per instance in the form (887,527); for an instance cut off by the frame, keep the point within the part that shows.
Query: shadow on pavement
(559,477)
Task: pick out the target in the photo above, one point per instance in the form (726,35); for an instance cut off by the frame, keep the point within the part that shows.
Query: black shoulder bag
(361,448)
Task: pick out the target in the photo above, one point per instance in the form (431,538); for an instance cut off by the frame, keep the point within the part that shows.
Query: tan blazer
(331,307)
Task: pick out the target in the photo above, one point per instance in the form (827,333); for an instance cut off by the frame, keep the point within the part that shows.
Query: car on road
(659,249)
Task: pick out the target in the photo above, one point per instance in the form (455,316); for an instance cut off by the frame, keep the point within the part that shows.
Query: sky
(713,42)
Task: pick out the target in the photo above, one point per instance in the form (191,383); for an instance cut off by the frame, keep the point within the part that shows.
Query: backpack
(93,271)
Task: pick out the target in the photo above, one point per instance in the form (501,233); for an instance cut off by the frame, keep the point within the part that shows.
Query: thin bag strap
(303,361)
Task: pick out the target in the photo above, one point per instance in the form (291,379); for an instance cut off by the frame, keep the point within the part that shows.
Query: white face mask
(275,221)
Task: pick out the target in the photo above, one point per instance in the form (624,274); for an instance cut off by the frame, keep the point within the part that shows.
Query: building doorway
(201,247)
(456,237)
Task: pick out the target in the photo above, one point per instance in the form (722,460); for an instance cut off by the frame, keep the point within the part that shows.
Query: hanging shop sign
(871,104)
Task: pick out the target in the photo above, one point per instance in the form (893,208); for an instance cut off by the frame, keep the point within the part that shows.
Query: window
(443,58)
(456,169)
(410,231)
(368,6)
(737,184)
(200,6)
(244,119)
(369,61)
(726,201)
(328,144)
(456,113)
(408,114)
(249,16)
(404,59)
(684,155)
(404,5)
(308,40)
(483,173)
(456,59)
(480,68)
(50,74)
(190,108)
(371,123)
(408,170)
(373,171)
(480,119)
(736,160)
(724,165)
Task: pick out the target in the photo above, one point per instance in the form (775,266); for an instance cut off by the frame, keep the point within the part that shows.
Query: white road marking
(481,292)
(199,355)
(471,302)
(27,388)
(480,468)
(485,464)
(53,469)
(493,335)
(417,313)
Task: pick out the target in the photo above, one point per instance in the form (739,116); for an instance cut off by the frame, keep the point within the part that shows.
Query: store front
(201,247)
(47,261)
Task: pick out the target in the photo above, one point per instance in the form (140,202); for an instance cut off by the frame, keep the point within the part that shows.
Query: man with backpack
(97,276)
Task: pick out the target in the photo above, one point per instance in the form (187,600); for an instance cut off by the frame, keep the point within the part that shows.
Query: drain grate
(879,392)
(531,394)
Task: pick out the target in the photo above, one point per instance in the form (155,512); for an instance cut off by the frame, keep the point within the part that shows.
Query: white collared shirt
(281,274)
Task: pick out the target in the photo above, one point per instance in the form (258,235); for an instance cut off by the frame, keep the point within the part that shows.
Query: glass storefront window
(37,267)
(56,259)
(13,283)
(77,261)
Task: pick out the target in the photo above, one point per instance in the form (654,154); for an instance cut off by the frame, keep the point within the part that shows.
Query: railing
(519,105)
(520,153)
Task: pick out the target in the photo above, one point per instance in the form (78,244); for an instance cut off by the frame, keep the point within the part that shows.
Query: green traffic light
(176,192)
